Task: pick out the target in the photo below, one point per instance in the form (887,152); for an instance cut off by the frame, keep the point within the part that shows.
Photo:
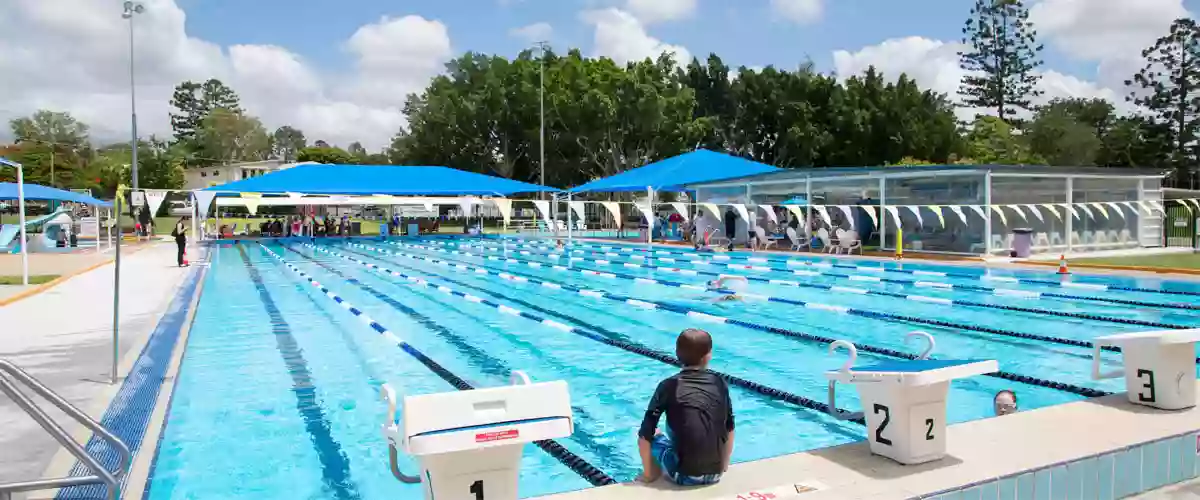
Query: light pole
(542,116)
(21,217)
(132,8)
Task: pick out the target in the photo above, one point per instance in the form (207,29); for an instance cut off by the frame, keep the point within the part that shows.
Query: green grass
(1179,260)
(34,279)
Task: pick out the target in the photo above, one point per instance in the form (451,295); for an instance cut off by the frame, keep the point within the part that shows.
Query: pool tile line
(1015,377)
(576,463)
(799,303)
(917,298)
(1060,284)
(629,346)
(128,414)
(1029,294)
(335,466)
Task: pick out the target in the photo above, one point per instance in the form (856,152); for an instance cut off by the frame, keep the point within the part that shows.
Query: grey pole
(132,8)
(116,352)
(542,116)
(21,218)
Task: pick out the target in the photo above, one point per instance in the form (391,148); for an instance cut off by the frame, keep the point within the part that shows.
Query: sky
(340,69)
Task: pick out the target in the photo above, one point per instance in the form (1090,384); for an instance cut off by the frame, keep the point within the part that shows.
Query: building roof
(8,191)
(378,179)
(674,173)
(908,170)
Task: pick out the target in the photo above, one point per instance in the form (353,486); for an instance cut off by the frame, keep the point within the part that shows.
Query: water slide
(10,232)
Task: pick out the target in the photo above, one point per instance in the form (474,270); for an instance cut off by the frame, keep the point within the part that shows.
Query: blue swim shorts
(664,452)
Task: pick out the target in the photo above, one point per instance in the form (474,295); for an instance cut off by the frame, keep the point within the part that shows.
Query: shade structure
(672,174)
(8,191)
(379,179)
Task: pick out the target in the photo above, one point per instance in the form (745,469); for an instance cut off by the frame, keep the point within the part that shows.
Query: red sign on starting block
(485,437)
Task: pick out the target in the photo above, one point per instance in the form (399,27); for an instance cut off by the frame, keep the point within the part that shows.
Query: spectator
(730,226)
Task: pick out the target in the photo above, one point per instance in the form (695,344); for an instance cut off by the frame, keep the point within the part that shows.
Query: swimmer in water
(735,283)
(559,244)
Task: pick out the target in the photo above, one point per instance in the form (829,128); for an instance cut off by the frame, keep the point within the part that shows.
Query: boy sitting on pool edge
(696,448)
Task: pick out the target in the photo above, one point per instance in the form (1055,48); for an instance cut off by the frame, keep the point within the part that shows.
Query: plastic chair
(849,241)
(826,242)
(797,244)
(761,235)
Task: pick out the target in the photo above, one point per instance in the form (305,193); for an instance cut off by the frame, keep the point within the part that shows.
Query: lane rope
(629,346)
(884,293)
(828,307)
(1028,294)
(591,473)
(520,277)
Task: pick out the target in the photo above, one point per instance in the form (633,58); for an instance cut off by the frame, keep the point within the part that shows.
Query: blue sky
(743,32)
(340,70)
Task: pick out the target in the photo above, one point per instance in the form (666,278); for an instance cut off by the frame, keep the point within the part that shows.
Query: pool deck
(63,337)
(976,451)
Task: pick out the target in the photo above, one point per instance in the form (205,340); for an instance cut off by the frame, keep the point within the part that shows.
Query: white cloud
(933,64)
(72,55)
(798,11)
(620,36)
(1109,32)
(536,32)
(653,11)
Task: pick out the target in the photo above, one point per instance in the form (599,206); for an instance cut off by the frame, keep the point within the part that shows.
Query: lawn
(34,279)
(1177,260)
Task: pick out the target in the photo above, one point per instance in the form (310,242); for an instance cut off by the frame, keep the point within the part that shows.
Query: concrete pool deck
(73,354)
(977,452)
(63,337)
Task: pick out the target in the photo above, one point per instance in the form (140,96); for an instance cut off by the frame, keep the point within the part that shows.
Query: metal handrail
(112,479)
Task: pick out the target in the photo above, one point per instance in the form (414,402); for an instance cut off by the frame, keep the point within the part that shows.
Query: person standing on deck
(180,234)
(730,226)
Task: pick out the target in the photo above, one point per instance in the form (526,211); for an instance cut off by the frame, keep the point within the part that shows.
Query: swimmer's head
(694,348)
(1005,403)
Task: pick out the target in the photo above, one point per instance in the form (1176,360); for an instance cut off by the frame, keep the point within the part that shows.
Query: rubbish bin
(1022,242)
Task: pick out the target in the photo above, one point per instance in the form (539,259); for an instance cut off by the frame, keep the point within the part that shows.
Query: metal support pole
(987,221)
(542,115)
(116,340)
(808,233)
(570,221)
(132,8)
(21,221)
(1070,218)
(882,217)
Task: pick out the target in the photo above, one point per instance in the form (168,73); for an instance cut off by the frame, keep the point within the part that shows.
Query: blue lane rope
(649,304)
(335,467)
(488,363)
(574,462)
(1068,284)
(917,298)
(838,309)
(629,346)
(698,261)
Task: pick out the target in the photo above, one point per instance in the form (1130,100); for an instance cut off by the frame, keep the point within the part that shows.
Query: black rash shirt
(700,416)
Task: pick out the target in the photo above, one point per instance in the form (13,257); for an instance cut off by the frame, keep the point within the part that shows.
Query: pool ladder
(10,375)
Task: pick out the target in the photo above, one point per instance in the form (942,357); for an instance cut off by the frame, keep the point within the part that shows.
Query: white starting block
(469,443)
(1160,367)
(904,401)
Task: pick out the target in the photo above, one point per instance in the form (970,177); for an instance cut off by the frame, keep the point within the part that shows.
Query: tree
(1057,135)
(227,135)
(715,104)
(287,142)
(193,103)
(321,144)
(357,153)
(160,165)
(992,141)
(1002,53)
(332,156)
(1170,89)
(51,127)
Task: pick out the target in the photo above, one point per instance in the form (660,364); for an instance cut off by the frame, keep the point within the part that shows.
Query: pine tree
(1002,52)
(194,101)
(1170,90)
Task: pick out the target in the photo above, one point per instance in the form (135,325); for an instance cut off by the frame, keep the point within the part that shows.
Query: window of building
(202,174)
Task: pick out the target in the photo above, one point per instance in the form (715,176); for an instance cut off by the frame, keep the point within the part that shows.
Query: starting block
(1160,366)
(904,401)
(469,443)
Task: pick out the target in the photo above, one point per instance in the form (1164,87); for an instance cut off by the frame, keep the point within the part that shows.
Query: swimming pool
(278,391)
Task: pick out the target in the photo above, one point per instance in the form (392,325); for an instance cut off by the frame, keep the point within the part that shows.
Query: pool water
(278,394)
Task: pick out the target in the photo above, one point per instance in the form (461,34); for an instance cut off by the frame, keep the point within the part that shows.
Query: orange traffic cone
(185,259)
(1062,264)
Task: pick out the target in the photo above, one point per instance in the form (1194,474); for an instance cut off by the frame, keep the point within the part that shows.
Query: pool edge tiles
(981,455)
(136,410)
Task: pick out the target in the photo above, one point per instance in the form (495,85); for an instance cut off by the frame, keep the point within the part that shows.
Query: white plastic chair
(849,241)
(797,244)
(826,242)
(763,241)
